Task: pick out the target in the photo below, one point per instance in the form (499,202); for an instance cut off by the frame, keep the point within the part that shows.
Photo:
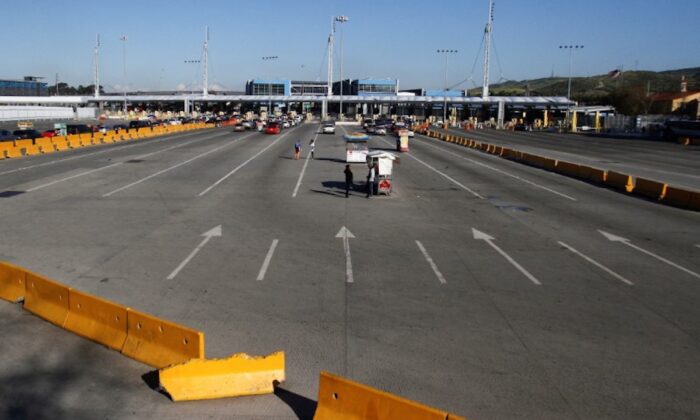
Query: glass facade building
(23,88)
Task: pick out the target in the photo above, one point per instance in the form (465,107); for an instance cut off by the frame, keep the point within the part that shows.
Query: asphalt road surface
(480,286)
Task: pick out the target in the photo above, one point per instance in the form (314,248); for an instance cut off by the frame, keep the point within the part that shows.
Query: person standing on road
(312,147)
(297,150)
(370,181)
(348,180)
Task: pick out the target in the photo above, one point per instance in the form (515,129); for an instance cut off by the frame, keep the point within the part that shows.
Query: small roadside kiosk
(356,147)
(385,163)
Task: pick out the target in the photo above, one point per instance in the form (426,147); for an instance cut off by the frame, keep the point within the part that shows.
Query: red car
(273,128)
(49,133)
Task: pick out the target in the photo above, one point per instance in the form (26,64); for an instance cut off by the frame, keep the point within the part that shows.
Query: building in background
(30,86)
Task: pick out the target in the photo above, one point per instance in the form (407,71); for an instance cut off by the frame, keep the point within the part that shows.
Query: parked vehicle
(27,134)
(238,127)
(79,129)
(139,124)
(49,133)
(6,135)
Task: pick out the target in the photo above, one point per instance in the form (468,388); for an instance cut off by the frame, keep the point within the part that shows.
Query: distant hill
(626,91)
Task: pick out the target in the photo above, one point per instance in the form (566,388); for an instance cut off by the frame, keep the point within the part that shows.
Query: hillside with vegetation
(628,92)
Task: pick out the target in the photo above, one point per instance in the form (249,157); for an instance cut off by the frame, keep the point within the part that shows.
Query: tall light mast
(487,51)
(330,58)
(205,89)
(97,67)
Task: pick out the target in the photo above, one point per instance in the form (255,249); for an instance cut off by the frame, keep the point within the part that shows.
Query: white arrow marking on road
(597,264)
(207,236)
(615,238)
(268,258)
(346,235)
(481,236)
(432,264)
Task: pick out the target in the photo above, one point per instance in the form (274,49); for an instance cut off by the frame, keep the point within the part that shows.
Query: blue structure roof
(391,82)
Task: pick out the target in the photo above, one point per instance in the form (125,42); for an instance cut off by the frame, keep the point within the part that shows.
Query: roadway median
(642,187)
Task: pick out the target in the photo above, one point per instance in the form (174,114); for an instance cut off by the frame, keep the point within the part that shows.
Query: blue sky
(384,38)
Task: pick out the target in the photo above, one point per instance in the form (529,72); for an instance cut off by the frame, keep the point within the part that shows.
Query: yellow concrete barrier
(549,164)
(567,168)
(44,144)
(237,375)
(46,299)
(677,197)
(9,150)
(96,319)
(60,143)
(12,280)
(532,160)
(27,147)
(160,343)
(619,181)
(591,174)
(342,399)
(74,141)
(649,188)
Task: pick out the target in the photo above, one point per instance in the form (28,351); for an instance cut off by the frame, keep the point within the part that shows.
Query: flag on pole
(124,38)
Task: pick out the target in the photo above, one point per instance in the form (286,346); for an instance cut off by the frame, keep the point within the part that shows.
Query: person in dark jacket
(348,180)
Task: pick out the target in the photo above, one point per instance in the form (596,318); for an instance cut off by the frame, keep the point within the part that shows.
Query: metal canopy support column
(324,109)
(501,114)
(187,105)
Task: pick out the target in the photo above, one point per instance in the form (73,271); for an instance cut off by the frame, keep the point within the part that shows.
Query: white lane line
(478,235)
(597,264)
(39,187)
(237,168)
(268,258)
(500,171)
(437,272)
(449,178)
(697,245)
(615,238)
(301,175)
(207,236)
(172,167)
(112,149)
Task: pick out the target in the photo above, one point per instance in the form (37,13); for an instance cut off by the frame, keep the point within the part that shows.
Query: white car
(285,124)
(328,129)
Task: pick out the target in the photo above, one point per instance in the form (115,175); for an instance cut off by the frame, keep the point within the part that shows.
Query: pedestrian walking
(348,180)
(312,147)
(371,176)
(297,150)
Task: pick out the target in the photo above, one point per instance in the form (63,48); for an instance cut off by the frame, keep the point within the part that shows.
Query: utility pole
(487,51)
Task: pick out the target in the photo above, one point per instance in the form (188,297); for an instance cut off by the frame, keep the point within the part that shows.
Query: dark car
(6,135)
(78,129)
(139,124)
(27,134)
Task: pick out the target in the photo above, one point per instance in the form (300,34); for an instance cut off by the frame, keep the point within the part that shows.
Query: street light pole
(269,82)
(341,19)
(571,49)
(124,38)
(444,107)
